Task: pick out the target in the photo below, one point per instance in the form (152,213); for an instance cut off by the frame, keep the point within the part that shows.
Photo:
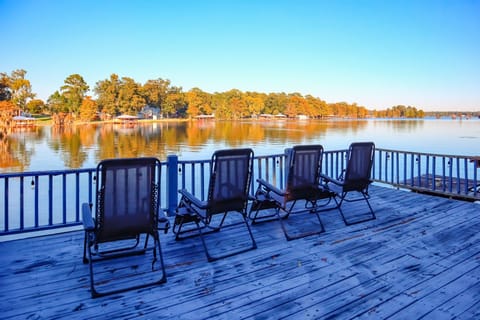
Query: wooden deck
(419,259)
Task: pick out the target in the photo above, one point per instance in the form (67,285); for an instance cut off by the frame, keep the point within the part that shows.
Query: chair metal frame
(123,215)
(303,169)
(360,157)
(228,192)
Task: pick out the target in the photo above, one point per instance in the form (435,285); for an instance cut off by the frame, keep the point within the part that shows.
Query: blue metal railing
(38,200)
(447,175)
(33,201)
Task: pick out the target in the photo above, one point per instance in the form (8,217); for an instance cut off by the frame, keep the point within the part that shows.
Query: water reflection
(49,148)
(15,155)
(68,142)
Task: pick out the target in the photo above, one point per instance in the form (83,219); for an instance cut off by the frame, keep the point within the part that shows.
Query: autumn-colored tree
(399,111)
(35,106)
(130,98)
(275,103)
(291,108)
(74,91)
(255,102)
(88,109)
(198,102)
(5,91)
(296,105)
(339,109)
(221,107)
(316,108)
(107,95)
(21,89)
(233,105)
(193,103)
(155,92)
(115,95)
(56,103)
(7,111)
(174,104)
(362,112)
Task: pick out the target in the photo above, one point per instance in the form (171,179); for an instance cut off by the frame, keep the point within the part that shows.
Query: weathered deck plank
(419,258)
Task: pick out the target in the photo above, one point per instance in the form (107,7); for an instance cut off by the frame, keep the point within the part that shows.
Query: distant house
(149,112)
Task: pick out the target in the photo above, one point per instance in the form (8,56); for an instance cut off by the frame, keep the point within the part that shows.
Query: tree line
(123,95)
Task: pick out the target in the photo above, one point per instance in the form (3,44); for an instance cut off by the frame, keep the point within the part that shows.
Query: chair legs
(260,203)
(157,255)
(184,217)
(211,258)
(290,236)
(85,260)
(371,214)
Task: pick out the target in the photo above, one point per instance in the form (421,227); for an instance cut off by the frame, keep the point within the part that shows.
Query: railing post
(288,155)
(172,184)
(5,199)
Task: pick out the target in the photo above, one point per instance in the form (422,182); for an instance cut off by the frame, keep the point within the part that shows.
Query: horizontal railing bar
(44,173)
(426,153)
(52,199)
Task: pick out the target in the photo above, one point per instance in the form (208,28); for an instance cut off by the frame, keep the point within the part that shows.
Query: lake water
(49,148)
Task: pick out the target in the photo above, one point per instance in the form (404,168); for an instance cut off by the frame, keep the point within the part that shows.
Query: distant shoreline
(48,121)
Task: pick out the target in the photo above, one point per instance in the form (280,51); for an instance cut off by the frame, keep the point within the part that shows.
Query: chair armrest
(88,224)
(163,223)
(325,177)
(193,200)
(332,180)
(269,187)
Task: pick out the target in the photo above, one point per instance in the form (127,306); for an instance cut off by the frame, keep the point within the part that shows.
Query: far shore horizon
(454,115)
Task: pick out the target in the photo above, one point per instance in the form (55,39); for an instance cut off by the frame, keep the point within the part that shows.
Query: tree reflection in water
(83,146)
(15,155)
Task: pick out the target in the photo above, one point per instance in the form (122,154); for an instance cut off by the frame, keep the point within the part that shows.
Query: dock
(23,122)
(419,259)
(443,186)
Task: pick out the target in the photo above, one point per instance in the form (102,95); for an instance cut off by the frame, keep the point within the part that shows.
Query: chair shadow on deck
(228,192)
(355,179)
(126,208)
(303,165)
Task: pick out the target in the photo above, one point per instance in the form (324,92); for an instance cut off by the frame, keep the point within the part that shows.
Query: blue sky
(375,53)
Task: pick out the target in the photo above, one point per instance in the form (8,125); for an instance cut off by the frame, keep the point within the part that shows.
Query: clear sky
(375,53)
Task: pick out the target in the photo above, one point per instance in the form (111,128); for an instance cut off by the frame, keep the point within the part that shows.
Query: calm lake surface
(83,146)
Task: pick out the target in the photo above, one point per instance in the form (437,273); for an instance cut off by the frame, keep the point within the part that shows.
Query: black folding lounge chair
(355,178)
(126,208)
(304,164)
(229,185)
